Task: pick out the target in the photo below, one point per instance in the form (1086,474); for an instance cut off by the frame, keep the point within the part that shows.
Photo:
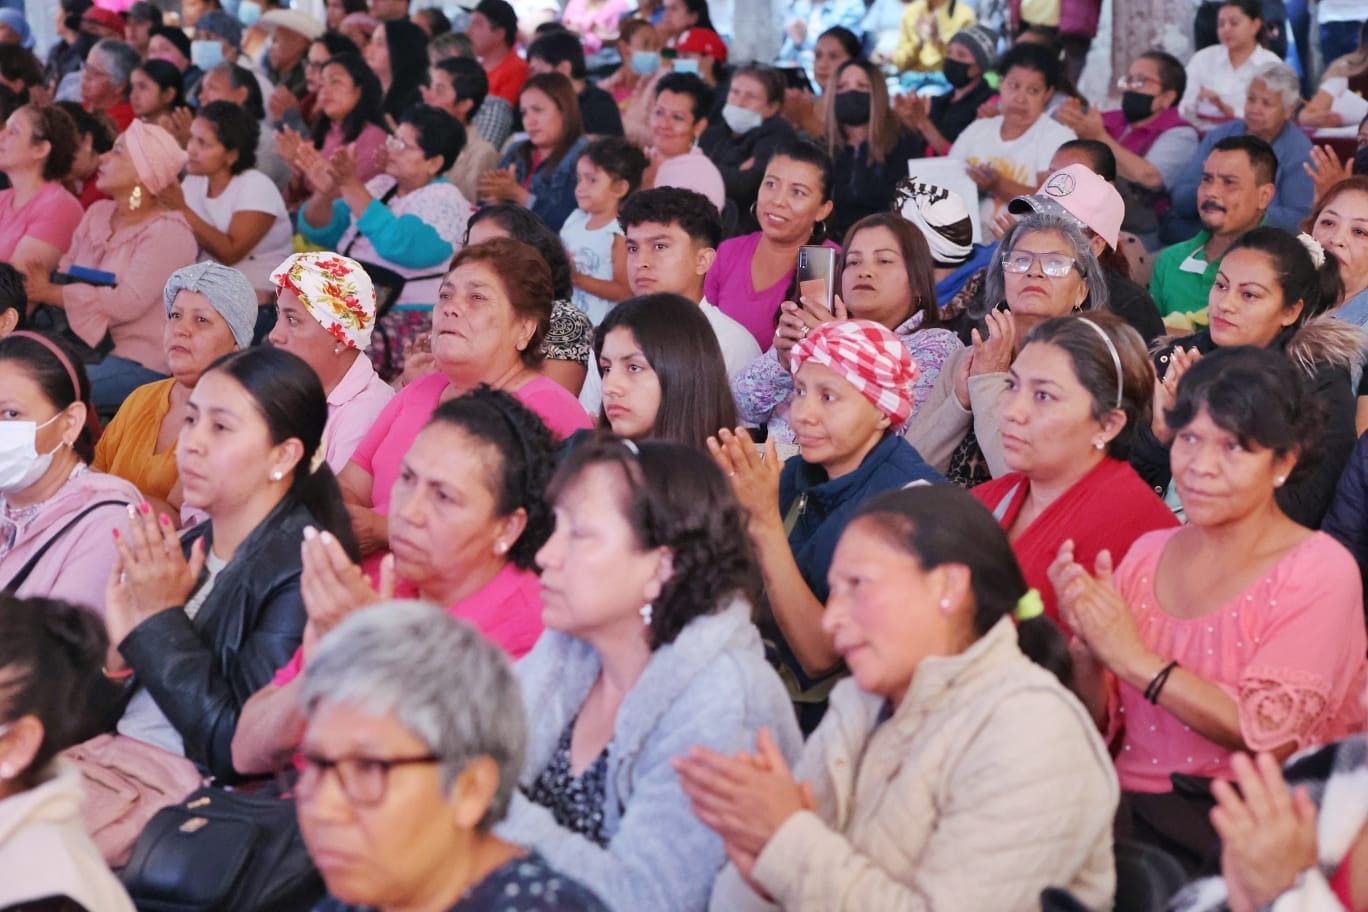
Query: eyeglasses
(1054,265)
(1129,83)
(363,779)
(396,143)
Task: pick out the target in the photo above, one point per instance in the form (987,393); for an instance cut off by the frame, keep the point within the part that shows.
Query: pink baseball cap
(1082,193)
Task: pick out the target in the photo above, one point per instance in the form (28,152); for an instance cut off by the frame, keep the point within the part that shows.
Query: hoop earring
(135,199)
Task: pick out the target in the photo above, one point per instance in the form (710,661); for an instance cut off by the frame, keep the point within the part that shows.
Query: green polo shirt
(1181,283)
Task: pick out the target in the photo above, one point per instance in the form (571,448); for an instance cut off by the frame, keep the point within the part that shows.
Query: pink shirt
(507,611)
(51,217)
(381,451)
(1289,650)
(582,18)
(353,406)
(729,287)
(132,312)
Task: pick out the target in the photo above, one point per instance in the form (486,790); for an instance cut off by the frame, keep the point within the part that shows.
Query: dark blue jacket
(827,505)
(553,190)
(1347,519)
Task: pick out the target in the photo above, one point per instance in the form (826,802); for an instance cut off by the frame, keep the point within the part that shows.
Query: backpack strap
(22,576)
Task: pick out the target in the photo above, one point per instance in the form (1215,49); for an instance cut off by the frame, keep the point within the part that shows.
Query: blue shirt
(1295,190)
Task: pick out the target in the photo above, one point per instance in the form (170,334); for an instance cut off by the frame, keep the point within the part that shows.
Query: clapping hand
(753,477)
(333,587)
(151,574)
(1166,390)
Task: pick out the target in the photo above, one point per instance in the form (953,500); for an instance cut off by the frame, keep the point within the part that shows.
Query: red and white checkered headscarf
(869,358)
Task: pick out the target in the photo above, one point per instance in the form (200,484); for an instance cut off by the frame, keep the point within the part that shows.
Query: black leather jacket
(201,672)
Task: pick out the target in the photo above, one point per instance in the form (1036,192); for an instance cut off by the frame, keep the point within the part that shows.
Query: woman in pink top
(37,214)
(349,114)
(749,279)
(1241,631)
(140,242)
(469,514)
(493,310)
(56,515)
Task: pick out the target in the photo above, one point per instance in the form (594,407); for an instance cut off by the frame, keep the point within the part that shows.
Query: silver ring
(805,332)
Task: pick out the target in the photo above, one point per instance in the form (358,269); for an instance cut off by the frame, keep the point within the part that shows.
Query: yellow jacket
(914,53)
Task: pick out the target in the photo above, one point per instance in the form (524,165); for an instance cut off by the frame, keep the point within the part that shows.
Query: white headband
(1115,356)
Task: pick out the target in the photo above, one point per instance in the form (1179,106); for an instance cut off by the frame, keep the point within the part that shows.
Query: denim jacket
(552,194)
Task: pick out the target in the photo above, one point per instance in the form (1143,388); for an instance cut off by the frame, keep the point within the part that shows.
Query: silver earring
(645,611)
(945,604)
(1099,444)
(501,547)
(276,476)
(1279,481)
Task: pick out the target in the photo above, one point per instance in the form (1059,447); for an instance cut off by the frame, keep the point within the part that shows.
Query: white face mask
(741,120)
(20,463)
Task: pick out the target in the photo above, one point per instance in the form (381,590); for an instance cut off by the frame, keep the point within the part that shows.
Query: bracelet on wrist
(1156,684)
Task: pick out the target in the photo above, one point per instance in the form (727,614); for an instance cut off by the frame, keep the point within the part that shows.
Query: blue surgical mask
(249,11)
(206,54)
(681,65)
(644,63)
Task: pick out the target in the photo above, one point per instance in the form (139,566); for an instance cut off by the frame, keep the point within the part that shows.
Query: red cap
(702,41)
(105,18)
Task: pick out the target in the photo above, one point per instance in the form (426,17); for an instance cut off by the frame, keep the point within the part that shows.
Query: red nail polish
(145,508)
(165,520)
(116,533)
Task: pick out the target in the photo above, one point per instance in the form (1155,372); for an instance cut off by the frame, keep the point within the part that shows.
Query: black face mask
(956,73)
(852,108)
(1136,106)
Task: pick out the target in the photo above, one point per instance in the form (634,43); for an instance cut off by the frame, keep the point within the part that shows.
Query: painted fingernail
(165,520)
(145,508)
(116,533)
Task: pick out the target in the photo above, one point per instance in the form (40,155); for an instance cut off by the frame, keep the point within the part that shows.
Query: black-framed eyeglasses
(1054,265)
(363,779)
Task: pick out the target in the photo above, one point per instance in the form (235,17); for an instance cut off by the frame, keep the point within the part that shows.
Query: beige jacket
(940,424)
(987,785)
(44,849)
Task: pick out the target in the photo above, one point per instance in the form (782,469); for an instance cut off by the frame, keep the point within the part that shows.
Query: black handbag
(224,851)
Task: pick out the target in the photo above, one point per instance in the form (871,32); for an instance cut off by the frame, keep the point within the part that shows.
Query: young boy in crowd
(608,170)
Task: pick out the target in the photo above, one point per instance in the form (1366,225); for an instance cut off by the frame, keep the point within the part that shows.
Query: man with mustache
(1235,190)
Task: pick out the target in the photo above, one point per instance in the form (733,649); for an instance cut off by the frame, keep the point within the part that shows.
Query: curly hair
(675,497)
(527,459)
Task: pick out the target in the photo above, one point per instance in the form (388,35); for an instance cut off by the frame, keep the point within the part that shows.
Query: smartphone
(796,78)
(817,275)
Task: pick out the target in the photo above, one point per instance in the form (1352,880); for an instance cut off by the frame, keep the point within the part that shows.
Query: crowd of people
(549,460)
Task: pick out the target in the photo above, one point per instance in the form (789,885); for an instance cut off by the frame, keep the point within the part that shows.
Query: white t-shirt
(143,719)
(250,191)
(591,250)
(739,347)
(1022,159)
(1210,68)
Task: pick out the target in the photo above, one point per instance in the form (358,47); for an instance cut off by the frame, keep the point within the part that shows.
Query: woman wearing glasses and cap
(1076,394)
(1045,268)
(403,778)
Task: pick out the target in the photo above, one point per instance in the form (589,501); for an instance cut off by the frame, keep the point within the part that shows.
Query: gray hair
(438,677)
(1282,80)
(121,57)
(227,291)
(995,286)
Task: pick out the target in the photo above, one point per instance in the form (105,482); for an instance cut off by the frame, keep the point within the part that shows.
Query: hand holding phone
(817,275)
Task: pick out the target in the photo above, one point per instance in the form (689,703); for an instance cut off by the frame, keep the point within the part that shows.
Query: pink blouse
(729,286)
(51,217)
(1289,650)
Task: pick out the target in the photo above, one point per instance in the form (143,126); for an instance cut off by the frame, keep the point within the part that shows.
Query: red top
(122,115)
(506,78)
(1105,510)
(1340,886)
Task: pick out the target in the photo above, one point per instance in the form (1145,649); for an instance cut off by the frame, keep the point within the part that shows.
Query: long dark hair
(676,497)
(166,76)
(407,44)
(290,399)
(527,458)
(921,274)
(51,376)
(51,653)
(681,347)
(561,91)
(945,524)
(368,108)
(523,225)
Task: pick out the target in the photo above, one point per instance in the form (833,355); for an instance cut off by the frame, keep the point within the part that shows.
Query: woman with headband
(140,242)
(1075,395)
(56,514)
(325,314)
(1273,291)
(853,389)
(1240,631)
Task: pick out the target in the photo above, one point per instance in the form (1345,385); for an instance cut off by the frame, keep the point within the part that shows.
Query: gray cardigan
(711,686)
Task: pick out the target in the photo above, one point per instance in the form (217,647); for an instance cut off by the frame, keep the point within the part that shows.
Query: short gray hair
(438,677)
(1281,79)
(121,57)
(995,286)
